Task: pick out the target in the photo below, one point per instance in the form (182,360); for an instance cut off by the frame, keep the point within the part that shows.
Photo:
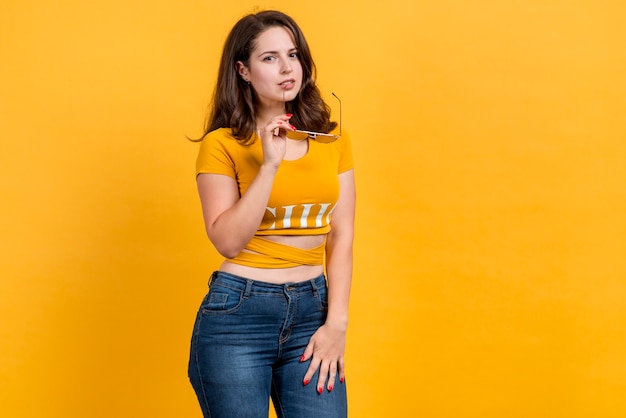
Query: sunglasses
(317,136)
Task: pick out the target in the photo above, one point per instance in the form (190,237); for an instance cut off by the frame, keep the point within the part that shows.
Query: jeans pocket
(221,300)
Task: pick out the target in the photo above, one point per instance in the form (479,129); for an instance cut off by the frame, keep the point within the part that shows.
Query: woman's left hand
(326,350)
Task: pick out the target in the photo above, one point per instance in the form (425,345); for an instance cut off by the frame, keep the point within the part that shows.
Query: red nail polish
(279,122)
(302,358)
(293,127)
(341,379)
(320,390)
(288,115)
(330,388)
(306,382)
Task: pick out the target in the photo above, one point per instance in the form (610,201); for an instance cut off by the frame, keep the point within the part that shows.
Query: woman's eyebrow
(276,52)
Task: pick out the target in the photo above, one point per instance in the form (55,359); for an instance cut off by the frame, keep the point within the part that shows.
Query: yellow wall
(490,142)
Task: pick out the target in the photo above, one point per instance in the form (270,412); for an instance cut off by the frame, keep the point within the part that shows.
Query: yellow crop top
(304,193)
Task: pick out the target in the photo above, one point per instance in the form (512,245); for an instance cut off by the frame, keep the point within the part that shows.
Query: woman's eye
(269,58)
(293,55)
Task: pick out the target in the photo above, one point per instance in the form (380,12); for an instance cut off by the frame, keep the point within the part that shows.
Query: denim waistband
(249,285)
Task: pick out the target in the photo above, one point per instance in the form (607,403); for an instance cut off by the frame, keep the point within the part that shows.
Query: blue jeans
(246,346)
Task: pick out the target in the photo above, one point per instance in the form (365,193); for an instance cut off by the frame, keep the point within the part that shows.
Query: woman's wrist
(338,323)
(268,168)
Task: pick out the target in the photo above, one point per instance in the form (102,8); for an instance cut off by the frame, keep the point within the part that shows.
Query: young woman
(279,205)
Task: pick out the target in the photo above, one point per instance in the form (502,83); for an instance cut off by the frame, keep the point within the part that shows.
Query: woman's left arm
(326,347)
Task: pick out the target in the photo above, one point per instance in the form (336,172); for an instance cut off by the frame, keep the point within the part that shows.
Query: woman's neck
(265,113)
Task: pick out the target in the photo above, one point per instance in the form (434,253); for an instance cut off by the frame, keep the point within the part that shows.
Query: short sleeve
(346,160)
(215,155)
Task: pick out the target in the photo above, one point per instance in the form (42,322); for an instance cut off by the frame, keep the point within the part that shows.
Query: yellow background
(491,230)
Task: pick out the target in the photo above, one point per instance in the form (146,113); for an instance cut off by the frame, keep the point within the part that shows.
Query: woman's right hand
(274,139)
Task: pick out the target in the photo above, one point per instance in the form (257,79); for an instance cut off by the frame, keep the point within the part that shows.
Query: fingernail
(306,382)
(320,390)
(302,358)
(279,122)
(293,127)
(330,388)
(341,379)
(288,115)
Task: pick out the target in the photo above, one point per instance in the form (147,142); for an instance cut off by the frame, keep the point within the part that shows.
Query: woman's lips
(287,84)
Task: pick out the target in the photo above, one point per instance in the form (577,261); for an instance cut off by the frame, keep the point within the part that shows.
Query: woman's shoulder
(217,153)
(219,135)
(225,137)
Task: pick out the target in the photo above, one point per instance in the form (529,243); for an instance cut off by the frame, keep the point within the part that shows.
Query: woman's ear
(243,71)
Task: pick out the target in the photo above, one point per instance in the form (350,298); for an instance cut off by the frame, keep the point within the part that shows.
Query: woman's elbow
(226,250)
(228,253)
(225,246)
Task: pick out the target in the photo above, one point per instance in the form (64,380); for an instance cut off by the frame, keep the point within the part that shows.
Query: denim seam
(278,403)
(197,365)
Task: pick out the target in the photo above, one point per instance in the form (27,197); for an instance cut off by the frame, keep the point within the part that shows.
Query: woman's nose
(286,67)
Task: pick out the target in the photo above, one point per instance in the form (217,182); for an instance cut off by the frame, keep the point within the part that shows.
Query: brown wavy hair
(234,101)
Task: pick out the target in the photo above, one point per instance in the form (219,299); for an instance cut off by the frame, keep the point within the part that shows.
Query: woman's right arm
(231,221)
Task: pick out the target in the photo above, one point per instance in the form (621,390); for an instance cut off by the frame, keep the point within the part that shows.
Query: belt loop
(314,286)
(248,290)
(211,278)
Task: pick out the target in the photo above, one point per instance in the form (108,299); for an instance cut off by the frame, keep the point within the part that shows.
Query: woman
(280,209)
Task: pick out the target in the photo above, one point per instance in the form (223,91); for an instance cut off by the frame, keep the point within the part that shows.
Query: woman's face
(274,69)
